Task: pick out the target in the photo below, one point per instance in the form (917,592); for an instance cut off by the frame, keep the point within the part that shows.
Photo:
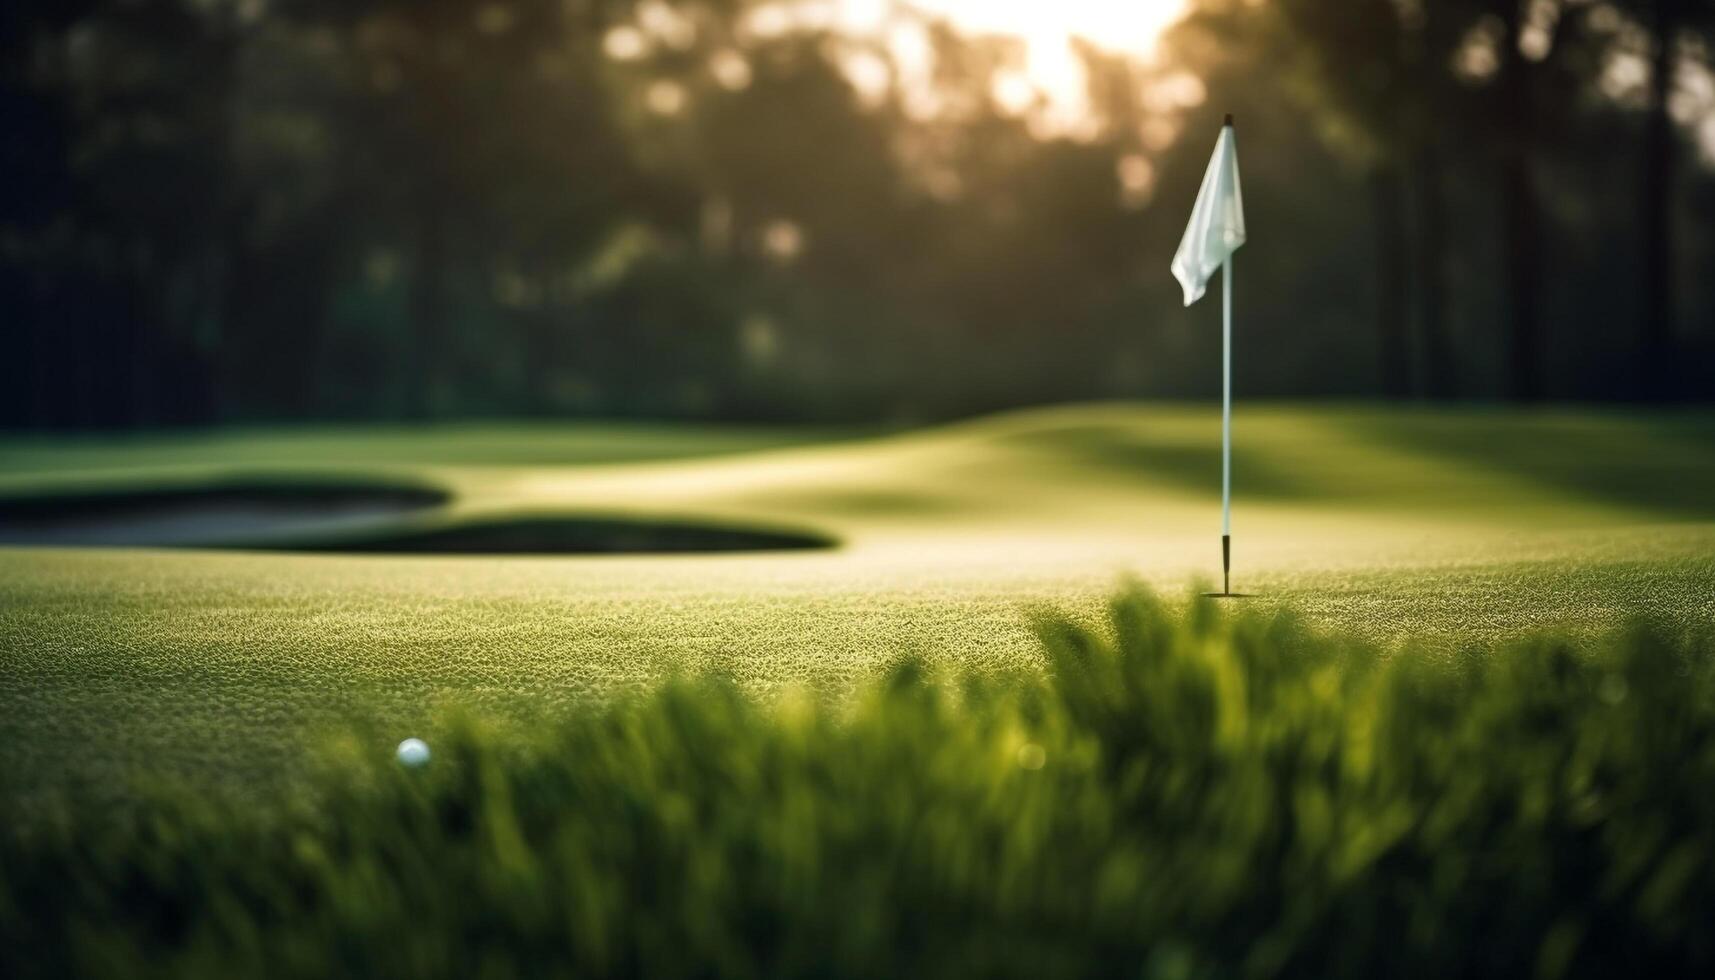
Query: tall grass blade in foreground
(1181,795)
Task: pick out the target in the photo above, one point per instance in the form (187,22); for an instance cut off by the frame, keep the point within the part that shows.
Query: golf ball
(413,753)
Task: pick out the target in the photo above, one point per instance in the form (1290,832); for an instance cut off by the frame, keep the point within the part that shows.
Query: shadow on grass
(1165,458)
(1659,464)
(548,535)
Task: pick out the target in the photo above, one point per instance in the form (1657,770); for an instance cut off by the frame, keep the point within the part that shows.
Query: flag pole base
(1227,574)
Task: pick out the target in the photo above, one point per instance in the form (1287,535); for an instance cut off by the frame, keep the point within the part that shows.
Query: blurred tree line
(224,210)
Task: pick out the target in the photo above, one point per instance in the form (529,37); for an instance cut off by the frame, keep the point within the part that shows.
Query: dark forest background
(235,211)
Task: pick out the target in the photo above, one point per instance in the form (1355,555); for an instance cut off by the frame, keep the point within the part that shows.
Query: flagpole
(1215,231)
(1227,425)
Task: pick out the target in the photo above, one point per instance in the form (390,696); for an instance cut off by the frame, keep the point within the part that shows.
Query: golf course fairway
(1429,531)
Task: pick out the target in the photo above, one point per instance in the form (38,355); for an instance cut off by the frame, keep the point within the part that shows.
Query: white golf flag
(1217,227)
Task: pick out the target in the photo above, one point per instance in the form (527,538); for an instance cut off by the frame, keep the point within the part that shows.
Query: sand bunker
(351,519)
(226,514)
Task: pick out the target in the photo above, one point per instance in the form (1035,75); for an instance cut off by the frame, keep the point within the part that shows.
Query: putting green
(1436,530)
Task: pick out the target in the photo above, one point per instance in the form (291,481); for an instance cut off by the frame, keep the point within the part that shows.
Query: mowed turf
(1430,531)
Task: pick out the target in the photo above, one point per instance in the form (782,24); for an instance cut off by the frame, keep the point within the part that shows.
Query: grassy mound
(1177,796)
(1444,528)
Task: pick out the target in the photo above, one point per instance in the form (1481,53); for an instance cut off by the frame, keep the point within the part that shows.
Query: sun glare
(1044,80)
(1051,74)
(1119,25)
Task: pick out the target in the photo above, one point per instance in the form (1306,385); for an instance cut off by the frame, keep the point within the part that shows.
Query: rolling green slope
(1430,530)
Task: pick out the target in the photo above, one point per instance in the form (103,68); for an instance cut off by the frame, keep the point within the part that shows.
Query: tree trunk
(1654,371)
(427,304)
(1522,263)
(147,318)
(1391,265)
(1521,220)
(539,341)
(1440,379)
(232,316)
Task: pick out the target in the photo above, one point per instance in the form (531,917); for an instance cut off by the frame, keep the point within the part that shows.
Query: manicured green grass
(1446,529)
(1174,796)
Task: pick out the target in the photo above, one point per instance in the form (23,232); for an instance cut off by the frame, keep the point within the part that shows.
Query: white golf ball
(413,753)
